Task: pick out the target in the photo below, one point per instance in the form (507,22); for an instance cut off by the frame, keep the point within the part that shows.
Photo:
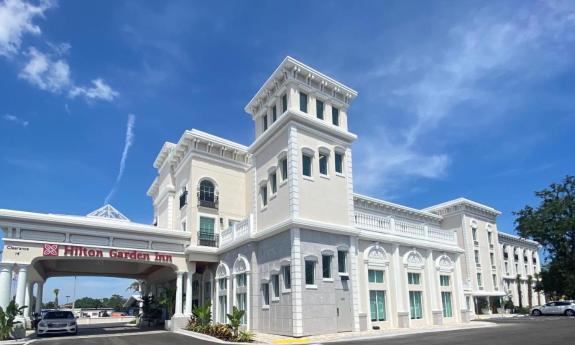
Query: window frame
(343,264)
(322,155)
(284,102)
(265,125)
(264,195)
(313,268)
(317,108)
(341,156)
(309,164)
(411,278)
(335,120)
(375,276)
(303,97)
(273,178)
(275,287)
(329,261)
(286,280)
(265,295)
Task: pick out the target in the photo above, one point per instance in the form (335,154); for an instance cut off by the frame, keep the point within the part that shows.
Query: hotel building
(276,229)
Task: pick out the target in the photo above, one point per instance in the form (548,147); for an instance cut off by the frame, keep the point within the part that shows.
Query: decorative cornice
(461,205)
(291,70)
(363,201)
(505,238)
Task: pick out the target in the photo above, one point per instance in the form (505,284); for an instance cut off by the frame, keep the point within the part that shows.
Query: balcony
(389,225)
(237,231)
(208,202)
(208,239)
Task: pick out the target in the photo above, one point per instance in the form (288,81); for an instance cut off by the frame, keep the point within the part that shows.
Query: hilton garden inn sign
(276,229)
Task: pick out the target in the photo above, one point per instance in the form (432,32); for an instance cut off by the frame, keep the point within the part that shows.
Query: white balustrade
(387,224)
(237,231)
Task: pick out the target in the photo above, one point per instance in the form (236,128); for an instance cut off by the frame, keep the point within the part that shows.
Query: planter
(18,331)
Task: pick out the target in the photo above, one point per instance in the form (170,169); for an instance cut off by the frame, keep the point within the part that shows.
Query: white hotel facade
(276,229)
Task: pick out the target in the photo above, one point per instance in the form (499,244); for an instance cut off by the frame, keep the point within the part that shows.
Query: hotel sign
(79,251)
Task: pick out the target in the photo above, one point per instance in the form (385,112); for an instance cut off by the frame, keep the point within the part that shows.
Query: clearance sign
(79,251)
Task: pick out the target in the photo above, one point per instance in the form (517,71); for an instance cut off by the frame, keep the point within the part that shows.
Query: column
(179,291)
(354,282)
(21,287)
(189,291)
(400,290)
(436,313)
(28,298)
(5,284)
(39,291)
(459,293)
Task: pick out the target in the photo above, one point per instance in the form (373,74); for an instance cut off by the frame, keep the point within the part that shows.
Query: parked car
(555,308)
(57,322)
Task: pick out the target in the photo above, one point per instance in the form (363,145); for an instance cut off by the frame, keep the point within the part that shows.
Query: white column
(5,284)
(297,276)
(188,306)
(354,282)
(21,287)
(459,293)
(179,291)
(431,286)
(28,299)
(39,291)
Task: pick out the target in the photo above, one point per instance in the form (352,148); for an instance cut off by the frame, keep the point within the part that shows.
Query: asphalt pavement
(521,331)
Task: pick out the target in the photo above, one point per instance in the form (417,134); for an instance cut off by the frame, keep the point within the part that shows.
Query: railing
(388,225)
(208,239)
(214,203)
(237,231)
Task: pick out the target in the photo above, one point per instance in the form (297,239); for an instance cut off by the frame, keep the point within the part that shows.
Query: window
(326,266)
(207,291)
(276,286)
(415,305)
(286,271)
(342,261)
(223,310)
(184,225)
(264,195)
(303,102)
(242,305)
(413,278)
(495,285)
(265,122)
(335,116)
(207,194)
(490,237)
(241,280)
(479,280)
(375,276)
(284,103)
(377,305)
(444,280)
(283,164)
(446,301)
(309,272)
(339,163)
(474,233)
(273,182)
(477,257)
(274,113)
(506,268)
(492,259)
(207,227)
(184,197)
(319,109)
(323,164)
(223,284)
(265,294)
(306,165)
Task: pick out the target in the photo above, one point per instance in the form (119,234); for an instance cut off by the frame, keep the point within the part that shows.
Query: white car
(555,308)
(57,322)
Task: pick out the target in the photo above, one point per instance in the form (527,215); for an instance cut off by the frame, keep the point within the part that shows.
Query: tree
(552,224)
(56,292)
(136,286)
(115,301)
(48,305)
(87,303)
(168,300)
(530,290)
(519,294)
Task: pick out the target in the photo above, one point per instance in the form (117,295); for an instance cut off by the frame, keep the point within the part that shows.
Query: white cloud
(16,20)
(16,120)
(474,64)
(127,144)
(99,90)
(48,74)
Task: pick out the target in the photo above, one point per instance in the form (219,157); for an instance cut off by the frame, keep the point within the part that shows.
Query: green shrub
(245,337)
(236,319)
(203,314)
(509,304)
(7,318)
(522,310)
(222,331)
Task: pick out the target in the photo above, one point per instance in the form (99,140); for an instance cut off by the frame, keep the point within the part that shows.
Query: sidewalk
(394,332)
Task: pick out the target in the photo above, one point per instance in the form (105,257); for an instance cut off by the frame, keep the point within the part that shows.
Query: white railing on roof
(237,231)
(389,225)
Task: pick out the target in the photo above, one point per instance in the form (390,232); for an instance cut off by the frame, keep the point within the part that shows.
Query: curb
(209,338)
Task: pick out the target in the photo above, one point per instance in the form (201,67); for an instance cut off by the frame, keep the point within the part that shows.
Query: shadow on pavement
(102,329)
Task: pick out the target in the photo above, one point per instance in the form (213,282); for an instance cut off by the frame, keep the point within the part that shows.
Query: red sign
(50,250)
(79,251)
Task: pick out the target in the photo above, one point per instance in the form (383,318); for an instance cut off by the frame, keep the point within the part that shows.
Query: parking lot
(545,330)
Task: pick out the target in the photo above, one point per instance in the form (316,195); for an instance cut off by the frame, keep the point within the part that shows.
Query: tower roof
(109,212)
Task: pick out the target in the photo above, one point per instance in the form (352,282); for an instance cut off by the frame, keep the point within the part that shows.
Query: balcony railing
(237,231)
(388,225)
(207,203)
(208,239)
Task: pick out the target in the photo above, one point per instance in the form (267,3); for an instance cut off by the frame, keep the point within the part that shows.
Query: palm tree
(56,292)
(137,285)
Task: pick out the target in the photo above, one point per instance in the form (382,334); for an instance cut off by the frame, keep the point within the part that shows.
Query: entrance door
(343,310)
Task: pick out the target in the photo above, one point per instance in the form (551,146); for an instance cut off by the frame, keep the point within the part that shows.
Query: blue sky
(456,98)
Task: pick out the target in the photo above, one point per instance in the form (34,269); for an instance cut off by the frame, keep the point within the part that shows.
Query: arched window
(207,196)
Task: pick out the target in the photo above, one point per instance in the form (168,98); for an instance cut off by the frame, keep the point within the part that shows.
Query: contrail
(127,144)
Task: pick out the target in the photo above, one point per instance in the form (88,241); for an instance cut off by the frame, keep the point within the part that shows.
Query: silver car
(555,308)
(57,322)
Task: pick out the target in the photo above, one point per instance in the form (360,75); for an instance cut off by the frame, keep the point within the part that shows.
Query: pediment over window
(376,255)
(413,259)
(222,271)
(444,263)
(241,265)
